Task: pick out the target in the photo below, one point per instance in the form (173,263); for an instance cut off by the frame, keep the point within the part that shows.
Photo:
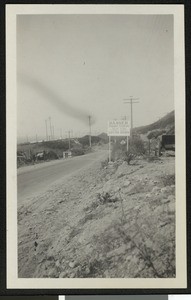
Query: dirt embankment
(107,221)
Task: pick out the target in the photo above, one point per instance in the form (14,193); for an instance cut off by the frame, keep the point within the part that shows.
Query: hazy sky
(70,66)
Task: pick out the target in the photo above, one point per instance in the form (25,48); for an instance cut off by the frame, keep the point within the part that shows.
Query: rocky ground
(115,220)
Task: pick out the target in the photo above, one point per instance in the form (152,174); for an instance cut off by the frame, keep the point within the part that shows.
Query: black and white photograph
(96,142)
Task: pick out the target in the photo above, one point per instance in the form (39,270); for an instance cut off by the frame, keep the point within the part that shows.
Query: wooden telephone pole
(131,101)
(69,140)
(50,128)
(46,130)
(90,139)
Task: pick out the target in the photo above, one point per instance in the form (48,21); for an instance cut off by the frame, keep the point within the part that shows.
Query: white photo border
(13,282)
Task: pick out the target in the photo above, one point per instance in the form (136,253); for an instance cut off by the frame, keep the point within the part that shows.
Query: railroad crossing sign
(118,128)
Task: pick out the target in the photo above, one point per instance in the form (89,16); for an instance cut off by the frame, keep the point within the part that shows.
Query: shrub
(104,163)
(136,147)
(77,151)
(155,133)
(105,198)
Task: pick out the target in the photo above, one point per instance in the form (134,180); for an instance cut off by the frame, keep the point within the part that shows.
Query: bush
(136,147)
(155,133)
(104,163)
(77,151)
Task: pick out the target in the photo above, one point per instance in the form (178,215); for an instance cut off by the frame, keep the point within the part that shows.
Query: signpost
(118,128)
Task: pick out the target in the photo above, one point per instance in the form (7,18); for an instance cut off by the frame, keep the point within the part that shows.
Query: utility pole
(50,127)
(61,133)
(46,130)
(126,118)
(69,140)
(53,132)
(131,101)
(90,139)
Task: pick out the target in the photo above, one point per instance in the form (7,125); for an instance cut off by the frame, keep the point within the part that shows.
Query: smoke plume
(55,99)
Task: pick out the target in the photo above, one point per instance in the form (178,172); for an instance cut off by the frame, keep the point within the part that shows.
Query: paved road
(36,179)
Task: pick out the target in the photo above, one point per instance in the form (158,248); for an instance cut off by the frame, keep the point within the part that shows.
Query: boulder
(122,169)
(57,263)
(126,183)
(171,198)
(165,201)
(171,207)
(72,264)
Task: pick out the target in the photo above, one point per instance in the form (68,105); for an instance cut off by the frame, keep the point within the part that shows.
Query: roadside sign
(118,128)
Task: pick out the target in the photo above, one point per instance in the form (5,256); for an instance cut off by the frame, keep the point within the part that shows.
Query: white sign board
(118,128)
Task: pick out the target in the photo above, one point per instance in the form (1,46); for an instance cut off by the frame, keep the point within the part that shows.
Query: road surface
(36,179)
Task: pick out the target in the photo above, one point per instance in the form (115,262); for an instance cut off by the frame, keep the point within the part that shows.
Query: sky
(70,67)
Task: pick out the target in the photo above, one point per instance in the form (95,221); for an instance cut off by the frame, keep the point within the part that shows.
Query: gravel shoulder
(103,221)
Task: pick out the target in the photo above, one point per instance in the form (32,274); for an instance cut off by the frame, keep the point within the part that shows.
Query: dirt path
(104,221)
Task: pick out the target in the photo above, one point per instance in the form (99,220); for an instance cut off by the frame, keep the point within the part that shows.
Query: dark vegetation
(27,152)
(135,148)
(30,153)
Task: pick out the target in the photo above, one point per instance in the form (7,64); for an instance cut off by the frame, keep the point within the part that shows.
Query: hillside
(166,123)
(27,152)
(61,145)
(104,221)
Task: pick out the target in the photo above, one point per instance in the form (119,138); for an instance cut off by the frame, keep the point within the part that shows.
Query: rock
(164,190)
(171,207)
(62,275)
(108,186)
(155,189)
(106,274)
(57,263)
(165,201)
(87,270)
(126,183)
(159,209)
(79,269)
(148,195)
(72,264)
(120,175)
(52,273)
(122,169)
(116,189)
(171,197)
(163,224)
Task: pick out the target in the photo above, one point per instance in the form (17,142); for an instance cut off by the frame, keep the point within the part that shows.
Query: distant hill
(103,136)
(84,141)
(167,123)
